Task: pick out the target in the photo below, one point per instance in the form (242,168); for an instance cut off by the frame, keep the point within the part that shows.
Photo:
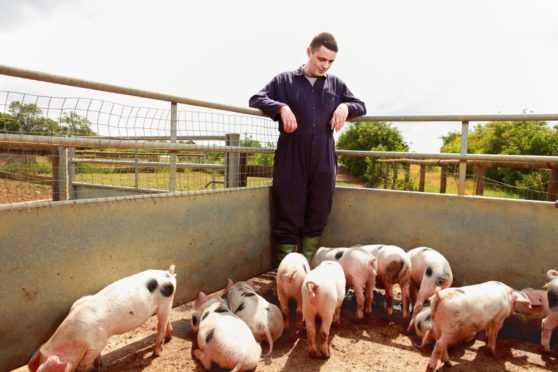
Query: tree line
(27,118)
(497,137)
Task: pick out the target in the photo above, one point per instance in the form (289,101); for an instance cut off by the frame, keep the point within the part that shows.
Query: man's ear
(308,51)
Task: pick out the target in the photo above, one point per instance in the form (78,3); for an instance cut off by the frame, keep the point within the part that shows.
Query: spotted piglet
(459,313)
(291,273)
(264,319)
(550,322)
(394,267)
(423,325)
(323,292)
(429,271)
(118,308)
(222,338)
(359,267)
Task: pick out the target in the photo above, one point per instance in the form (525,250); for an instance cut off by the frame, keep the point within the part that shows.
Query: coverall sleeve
(265,100)
(355,105)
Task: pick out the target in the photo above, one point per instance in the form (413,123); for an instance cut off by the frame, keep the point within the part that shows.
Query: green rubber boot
(283,250)
(309,246)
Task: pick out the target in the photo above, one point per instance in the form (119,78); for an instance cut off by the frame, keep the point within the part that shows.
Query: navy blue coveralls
(305,162)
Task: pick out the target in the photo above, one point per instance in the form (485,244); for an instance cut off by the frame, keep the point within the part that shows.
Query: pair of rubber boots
(308,247)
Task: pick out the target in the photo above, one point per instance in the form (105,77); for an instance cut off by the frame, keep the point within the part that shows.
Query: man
(308,104)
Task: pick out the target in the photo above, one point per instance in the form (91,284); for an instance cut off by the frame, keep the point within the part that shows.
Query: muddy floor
(377,343)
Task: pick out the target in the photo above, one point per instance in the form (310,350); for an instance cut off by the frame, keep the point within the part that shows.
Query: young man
(308,104)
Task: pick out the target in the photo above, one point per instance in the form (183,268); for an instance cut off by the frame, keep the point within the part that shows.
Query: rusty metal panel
(513,241)
(52,255)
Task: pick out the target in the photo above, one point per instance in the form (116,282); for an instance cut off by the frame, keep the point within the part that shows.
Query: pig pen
(56,252)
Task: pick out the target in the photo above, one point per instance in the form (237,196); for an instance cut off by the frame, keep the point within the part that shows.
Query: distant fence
(479,167)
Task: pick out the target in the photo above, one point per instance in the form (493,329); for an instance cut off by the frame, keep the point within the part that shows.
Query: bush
(368,136)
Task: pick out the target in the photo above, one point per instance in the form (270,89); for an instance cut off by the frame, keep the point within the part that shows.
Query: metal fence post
(463,163)
(136,169)
(232,161)
(62,173)
(172,166)
(71,173)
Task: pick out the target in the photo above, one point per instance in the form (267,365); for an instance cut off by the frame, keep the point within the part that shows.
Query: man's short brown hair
(326,39)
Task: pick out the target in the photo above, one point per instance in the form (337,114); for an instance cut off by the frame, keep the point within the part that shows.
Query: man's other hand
(339,117)
(288,119)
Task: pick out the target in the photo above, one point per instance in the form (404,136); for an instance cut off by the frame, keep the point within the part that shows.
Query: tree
(76,125)
(259,159)
(368,136)
(8,123)
(511,138)
(28,119)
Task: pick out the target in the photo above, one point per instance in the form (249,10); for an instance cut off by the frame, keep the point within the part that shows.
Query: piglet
(359,267)
(222,337)
(459,313)
(264,319)
(423,325)
(291,273)
(323,292)
(550,322)
(118,308)
(394,267)
(429,271)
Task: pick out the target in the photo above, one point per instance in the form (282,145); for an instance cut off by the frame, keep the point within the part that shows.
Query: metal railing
(172,145)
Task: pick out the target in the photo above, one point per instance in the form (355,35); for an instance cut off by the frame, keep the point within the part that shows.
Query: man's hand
(288,119)
(339,117)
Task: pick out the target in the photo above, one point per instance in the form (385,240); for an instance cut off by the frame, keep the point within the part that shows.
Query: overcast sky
(400,57)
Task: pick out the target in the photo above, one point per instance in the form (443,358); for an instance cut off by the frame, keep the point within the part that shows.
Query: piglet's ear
(202,299)
(521,297)
(34,362)
(251,283)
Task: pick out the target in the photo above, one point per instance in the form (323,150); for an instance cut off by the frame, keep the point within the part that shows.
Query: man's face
(319,61)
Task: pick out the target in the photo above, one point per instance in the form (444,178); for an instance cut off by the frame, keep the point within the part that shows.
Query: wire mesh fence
(79,148)
(142,151)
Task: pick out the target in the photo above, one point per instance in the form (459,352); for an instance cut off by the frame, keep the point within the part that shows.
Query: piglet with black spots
(222,338)
(543,304)
(118,308)
(264,319)
(429,271)
(359,267)
(423,325)
(290,275)
(459,313)
(394,267)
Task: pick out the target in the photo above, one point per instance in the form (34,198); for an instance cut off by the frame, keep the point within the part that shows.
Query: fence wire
(32,173)
(224,150)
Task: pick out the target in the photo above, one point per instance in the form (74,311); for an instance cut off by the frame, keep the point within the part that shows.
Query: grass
(189,180)
(432,183)
(185,181)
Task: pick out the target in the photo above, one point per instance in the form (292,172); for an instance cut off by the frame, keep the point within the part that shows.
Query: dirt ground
(377,343)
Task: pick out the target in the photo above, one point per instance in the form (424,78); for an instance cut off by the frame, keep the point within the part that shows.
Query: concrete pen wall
(54,253)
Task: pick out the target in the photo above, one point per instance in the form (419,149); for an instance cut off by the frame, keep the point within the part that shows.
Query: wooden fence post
(407,170)
(422,177)
(479,180)
(443,178)
(552,190)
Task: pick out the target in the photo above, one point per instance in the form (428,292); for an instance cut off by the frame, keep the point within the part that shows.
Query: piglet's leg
(163,317)
(492,333)
(203,358)
(311,336)
(324,336)
(547,325)
(360,302)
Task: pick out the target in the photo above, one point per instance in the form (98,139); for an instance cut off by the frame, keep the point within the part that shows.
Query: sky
(400,57)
